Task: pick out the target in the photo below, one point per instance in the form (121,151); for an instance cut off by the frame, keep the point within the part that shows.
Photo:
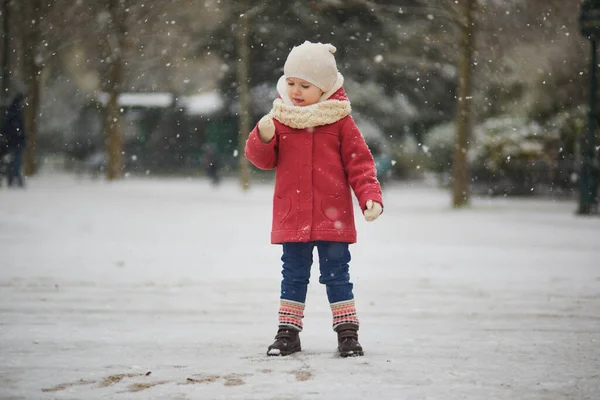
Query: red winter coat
(315,169)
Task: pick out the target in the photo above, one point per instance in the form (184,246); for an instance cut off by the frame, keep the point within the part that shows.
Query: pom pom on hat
(314,63)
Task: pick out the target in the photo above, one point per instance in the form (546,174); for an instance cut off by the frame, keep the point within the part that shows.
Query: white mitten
(373,210)
(266,128)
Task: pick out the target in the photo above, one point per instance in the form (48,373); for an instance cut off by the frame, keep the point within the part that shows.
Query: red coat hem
(345,236)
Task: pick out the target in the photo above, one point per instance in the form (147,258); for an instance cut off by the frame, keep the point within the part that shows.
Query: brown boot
(348,345)
(287,341)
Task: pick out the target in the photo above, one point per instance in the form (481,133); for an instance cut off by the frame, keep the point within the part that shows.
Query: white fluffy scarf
(324,112)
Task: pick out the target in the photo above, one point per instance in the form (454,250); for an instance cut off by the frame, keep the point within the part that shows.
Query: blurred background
(488,97)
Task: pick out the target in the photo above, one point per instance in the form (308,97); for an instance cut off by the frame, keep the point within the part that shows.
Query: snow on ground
(168,289)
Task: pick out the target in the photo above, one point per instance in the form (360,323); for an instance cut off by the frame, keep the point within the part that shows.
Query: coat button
(306,141)
(307,168)
(307,196)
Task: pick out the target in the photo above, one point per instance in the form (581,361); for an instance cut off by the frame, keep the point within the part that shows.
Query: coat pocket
(334,208)
(281,208)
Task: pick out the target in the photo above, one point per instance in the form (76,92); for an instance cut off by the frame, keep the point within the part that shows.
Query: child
(319,155)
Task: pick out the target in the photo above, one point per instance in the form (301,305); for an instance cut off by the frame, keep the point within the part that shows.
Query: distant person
(319,155)
(212,164)
(14,131)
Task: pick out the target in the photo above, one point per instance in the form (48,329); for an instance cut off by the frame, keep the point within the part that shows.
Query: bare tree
(113,84)
(243,68)
(32,18)
(464,114)
(83,47)
(460,14)
(6,16)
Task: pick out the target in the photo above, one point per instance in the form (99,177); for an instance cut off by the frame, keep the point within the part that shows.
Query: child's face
(302,93)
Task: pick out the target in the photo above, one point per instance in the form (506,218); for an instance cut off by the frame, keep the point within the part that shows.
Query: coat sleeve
(262,155)
(359,165)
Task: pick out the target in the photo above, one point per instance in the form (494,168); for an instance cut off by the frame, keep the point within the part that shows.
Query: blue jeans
(333,261)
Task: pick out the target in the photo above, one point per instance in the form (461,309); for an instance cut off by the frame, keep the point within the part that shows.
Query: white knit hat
(314,63)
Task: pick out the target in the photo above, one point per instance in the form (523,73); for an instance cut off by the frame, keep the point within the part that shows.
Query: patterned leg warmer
(291,314)
(344,312)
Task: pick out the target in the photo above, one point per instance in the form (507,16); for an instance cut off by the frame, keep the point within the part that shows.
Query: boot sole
(347,354)
(280,353)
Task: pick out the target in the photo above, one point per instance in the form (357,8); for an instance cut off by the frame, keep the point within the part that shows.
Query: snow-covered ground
(168,289)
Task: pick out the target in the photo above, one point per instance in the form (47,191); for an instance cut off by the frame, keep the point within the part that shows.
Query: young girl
(319,155)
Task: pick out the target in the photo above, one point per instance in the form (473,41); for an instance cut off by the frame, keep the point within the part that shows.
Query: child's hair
(314,63)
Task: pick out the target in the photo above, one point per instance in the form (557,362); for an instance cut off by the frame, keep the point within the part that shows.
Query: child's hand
(373,210)
(266,128)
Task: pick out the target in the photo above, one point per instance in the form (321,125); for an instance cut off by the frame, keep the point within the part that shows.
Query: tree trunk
(464,117)
(114,144)
(243,67)
(6,19)
(32,69)
(112,127)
